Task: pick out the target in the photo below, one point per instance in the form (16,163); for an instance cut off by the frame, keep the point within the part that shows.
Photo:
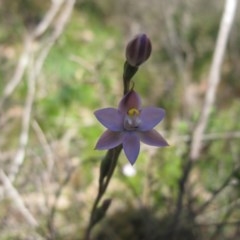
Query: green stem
(128,72)
(114,154)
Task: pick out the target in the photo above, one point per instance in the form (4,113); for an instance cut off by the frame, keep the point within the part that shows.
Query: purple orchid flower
(130,124)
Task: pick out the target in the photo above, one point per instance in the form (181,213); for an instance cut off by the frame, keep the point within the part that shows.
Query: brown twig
(198,131)
(17,199)
(45,145)
(210,136)
(50,221)
(34,70)
(218,191)
(214,77)
(30,63)
(24,136)
(27,50)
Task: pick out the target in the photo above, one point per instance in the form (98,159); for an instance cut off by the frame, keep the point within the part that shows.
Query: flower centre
(132,119)
(133,112)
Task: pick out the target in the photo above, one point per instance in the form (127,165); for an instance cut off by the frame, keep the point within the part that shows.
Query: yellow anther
(133,112)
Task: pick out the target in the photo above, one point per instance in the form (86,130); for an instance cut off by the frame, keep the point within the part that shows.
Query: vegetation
(57,180)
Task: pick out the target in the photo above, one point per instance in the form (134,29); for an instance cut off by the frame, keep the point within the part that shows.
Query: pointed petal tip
(153,138)
(131,160)
(108,140)
(131,147)
(164,143)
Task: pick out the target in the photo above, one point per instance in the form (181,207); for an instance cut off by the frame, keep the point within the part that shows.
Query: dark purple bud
(138,50)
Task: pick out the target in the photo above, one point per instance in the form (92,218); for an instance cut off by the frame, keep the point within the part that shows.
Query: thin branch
(48,18)
(219,190)
(59,26)
(216,224)
(179,203)
(27,50)
(46,147)
(213,81)
(50,221)
(19,71)
(210,136)
(83,63)
(219,227)
(214,76)
(24,135)
(34,72)
(16,198)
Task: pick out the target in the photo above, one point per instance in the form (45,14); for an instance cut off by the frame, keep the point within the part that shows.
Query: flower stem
(112,155)
(128,72)
(111,158)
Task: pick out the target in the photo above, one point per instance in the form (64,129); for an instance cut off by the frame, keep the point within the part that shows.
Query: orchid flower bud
(138,50)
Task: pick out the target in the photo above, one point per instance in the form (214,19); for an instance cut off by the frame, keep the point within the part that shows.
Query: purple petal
(150,117)
(109,140)
(110,118)
(153,138)
(131,146)
(130,100)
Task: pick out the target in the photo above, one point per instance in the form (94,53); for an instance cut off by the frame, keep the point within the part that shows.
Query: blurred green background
(83,72)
